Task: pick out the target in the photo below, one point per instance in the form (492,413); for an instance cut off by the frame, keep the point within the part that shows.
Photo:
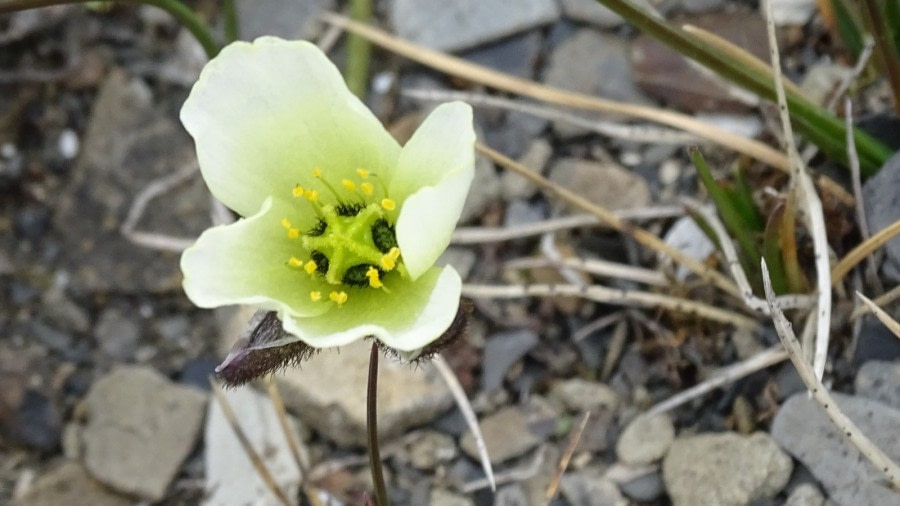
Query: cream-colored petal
(427,220)
(246,263)
(264,114)
(442,145)
(408,318)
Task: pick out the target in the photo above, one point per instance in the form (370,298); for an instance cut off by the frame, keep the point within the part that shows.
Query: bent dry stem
(381,498)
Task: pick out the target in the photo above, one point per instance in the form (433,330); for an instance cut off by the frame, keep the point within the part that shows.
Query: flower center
(352,243)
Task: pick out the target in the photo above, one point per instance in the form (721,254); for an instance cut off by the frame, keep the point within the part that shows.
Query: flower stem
(198,28)
(358,51)
(381,498)
(232,25)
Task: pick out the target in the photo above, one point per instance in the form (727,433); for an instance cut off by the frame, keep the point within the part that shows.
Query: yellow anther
(349,185)
(297,191)
(293,233)
(388,204)
(367,188)
(374,279)
(363,173)
(315,295)
(317,172)
(310,267)
(338,298)
(312,195)
(295,262)
(286,223)
(389,260)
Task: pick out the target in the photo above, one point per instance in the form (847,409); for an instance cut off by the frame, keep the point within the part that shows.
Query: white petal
(264,114)
(246,263)
(406,319)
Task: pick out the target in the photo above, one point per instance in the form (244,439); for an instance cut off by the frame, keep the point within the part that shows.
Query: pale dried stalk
(856,182)
(483,235)
(821,395)
(801,186)
(882,300)
(882,316)
(737,272)
(863,250)
(574,438)
(470,71)
(722,376)
(597,267)
(611,220)
(635,133)
(465,407)
(621,297)
(156,188)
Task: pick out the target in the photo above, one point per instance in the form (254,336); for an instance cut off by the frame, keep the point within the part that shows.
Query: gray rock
(792,12)
(288,19)
(501,351)
(697,6)
(725,469)
(607,185)
(882,202)
(328,393)
(592,63)
(646,488)
(522,212)
(443,497)
(645,439)
(516,55)
(431,450)
(805,494)
(879,381)
(451,26)
(63,312)
(506,434)
(688,237)
(129,142)
(511,495)
(462,259)
(590,488)
(485,190)
(580,395)
(802,428)
(591,11)
(535,157)
(117,334)
(513,135)
(140,429)
(70,484)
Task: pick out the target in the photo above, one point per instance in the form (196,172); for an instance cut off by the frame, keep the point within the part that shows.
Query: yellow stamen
(310,267)
(317,172)
(294,233)
(374,280)
(312,195)
(286,223)
(367,188)
(297,191)
(389,260)
(338,298)
(315,295)
(349,185)
(363,173)
(295,262)
(388,204)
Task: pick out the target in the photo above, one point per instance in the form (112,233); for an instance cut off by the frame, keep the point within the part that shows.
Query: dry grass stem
(574,439)
(156,188)
(611,220)
(465,407)
(856,183)
(863,250)
(616,296)
(821,395)
(882,316)
(636,133)
(802,188)
(737,271)
(597,325)
(596,267)
(254,457)
(476,73)
(513,475)
(882,300)
(721,377)
(485,235)
(557,261)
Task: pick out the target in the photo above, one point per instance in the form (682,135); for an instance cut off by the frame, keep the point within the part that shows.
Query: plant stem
(198,28)
(358,50)
(381,498)
(885,51)
(819,126)
(232,25)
